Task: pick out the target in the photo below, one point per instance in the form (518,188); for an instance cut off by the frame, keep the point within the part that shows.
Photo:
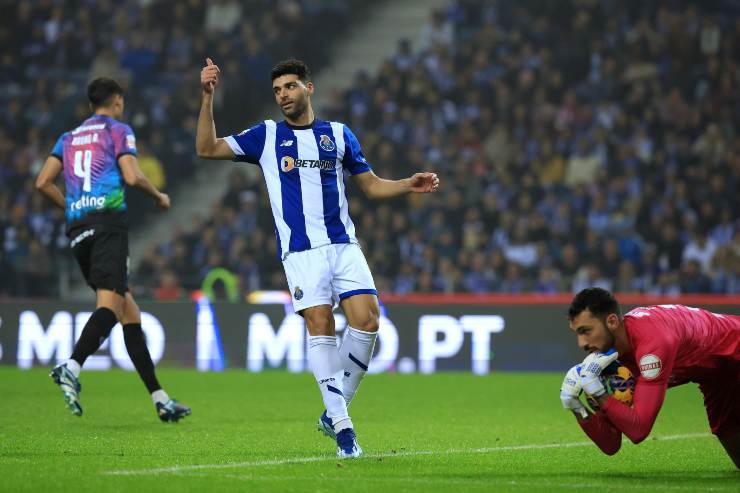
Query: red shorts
(722,401)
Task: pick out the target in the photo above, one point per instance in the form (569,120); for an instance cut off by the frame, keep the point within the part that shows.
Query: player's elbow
(611,448)
(41,183)
(202,152)
(205,151)
(371,191)
(132,179)
(639,436)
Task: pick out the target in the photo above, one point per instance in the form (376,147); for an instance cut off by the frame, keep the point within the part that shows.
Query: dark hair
(291,66)
(599,302)
(101,90)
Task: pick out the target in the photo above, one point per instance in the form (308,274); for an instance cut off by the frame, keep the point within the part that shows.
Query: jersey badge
(650,366)
(326,143)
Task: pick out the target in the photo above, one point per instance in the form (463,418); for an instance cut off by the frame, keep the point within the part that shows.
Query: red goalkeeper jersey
(672,345)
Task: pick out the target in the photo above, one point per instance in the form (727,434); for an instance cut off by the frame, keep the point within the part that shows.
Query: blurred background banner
(419,334)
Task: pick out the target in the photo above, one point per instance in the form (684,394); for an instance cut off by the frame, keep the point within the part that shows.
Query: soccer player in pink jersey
(664,346)
(98,159)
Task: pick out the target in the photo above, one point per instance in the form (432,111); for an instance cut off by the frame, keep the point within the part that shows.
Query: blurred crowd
(585,143)
(581,143)
(154,48)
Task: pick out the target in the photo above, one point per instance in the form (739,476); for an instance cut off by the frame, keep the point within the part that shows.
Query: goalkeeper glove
(570,390)
(591,369)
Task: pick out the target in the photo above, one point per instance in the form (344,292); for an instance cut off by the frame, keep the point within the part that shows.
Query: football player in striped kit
(304,161)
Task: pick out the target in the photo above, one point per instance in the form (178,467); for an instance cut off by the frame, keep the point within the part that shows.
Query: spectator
(60,45)
(169,288)
(222,16)
(700,249)
(582,166)
(555,135)
(438,31)
(692,279)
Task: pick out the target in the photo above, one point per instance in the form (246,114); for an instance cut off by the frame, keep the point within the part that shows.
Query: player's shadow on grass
(680,476)
(660,477)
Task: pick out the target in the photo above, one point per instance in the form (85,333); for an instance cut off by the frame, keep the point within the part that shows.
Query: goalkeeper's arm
(636,422)
(601,431)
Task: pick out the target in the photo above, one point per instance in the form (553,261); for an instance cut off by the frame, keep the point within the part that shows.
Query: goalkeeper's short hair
(598,301)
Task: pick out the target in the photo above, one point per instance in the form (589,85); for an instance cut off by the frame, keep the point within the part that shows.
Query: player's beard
(610,340)
(300,106)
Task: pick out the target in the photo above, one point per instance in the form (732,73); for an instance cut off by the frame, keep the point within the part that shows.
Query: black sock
(139,354)
(96,330)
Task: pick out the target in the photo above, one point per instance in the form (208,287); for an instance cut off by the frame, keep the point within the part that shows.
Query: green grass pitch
(257,432)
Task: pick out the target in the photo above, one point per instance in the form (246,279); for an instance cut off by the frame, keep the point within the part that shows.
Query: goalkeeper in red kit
(664,346)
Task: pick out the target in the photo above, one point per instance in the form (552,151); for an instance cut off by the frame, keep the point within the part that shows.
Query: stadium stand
(52,49)
(580,143)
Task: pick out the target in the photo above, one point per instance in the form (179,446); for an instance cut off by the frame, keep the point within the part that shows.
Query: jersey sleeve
(655,352)
(353,161)
(248,144)
(58,150)
(637,422)
(124,141)
(656,347)
(600,430)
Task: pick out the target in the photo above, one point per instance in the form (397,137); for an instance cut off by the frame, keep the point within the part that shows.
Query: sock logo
(331,379)
(347,374)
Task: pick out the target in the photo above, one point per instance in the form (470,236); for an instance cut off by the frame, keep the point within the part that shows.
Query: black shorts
(102,254)
(722,400)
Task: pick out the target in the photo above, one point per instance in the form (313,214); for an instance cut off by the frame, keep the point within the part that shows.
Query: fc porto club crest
(326,143)
(298,294)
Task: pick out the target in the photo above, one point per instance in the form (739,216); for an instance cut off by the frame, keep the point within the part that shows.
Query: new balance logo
(286,143)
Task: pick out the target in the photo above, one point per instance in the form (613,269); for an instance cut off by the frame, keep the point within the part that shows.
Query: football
(619,382)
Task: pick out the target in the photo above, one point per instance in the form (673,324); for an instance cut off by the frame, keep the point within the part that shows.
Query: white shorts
(327,274)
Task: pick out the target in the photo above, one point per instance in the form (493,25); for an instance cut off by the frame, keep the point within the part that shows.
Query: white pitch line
(413,453)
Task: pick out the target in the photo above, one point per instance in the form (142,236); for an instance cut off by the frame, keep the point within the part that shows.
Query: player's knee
(131,311)
(319,322)
(116,308)
(112,301)
(369,323)
(131,316)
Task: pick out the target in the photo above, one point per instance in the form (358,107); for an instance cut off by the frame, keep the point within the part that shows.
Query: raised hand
(209,76)
(424,182)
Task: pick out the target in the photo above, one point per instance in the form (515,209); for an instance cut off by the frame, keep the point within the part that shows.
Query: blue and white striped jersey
(304,170)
